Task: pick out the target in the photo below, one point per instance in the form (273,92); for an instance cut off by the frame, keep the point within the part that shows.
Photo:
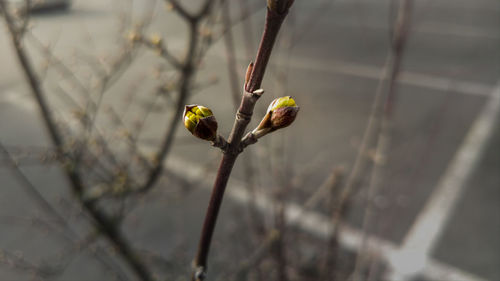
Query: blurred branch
(326,190)
(180,10)
(59,65)
(193,19)
(32,191)
(232,66)
(117,68)
(329,266)
(103,222)
(217,36)
(188,72)
(17,262)
(278,249)
(157,45)
(256,257)
(400,37)
(245,15)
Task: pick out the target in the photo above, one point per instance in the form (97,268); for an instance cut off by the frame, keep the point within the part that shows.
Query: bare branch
(103,222)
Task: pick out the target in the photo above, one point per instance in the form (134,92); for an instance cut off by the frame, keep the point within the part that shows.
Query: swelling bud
(200,121)
(280,114)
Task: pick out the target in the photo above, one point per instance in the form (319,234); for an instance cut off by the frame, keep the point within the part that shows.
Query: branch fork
(220,142)
(243,117)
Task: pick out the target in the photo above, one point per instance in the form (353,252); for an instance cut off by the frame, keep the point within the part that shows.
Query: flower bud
(200,121)
(280,113)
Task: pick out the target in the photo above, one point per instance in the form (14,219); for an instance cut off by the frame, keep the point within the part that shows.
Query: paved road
(451,68)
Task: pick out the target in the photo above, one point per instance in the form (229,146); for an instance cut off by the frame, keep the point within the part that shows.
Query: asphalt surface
(451,66)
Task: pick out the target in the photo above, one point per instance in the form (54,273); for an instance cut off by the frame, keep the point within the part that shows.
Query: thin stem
(243,116)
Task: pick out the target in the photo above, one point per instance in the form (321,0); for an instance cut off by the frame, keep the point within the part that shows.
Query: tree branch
(244,114)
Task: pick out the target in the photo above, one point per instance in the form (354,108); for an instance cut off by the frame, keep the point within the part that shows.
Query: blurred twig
(187,74)
(232,66)
(103,222)
(400,36)
(247,26)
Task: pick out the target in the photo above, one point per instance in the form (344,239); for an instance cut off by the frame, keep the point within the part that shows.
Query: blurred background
(391,170)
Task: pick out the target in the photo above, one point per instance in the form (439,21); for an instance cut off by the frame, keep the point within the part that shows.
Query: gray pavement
(478,218)
(451,67)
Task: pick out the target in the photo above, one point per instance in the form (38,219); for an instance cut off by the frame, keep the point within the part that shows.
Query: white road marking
(427,229)
(427,27)
(23,101)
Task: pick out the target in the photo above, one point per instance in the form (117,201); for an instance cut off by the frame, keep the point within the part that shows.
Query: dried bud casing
(200,121)
(280,113)
(248,74)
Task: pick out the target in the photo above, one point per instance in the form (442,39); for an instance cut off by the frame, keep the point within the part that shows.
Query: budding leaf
(281,102)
